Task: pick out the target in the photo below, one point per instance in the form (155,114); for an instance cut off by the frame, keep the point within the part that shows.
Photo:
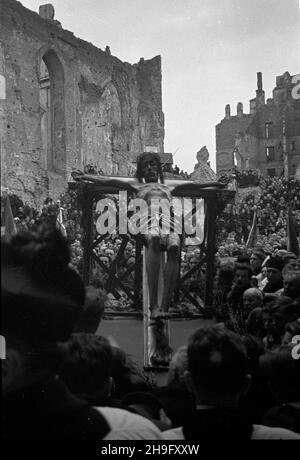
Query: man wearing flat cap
(274,275)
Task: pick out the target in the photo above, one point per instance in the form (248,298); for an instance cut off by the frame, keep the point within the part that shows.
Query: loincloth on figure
(165,240)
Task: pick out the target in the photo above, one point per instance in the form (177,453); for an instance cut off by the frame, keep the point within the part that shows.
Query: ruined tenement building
(66,104)
(267,138)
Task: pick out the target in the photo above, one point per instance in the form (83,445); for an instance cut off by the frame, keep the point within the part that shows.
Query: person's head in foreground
(292,333)
(283,373)
(276,315)
(291,284)
(217,367)
(218,375)
(41,301)
(178,367)
(242,275)
(252,298)
(42,298)
(87,369)
(256,260)
(274,270)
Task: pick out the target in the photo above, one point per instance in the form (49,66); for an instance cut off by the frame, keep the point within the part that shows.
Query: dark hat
(242,259)
(275,262)
(259,253)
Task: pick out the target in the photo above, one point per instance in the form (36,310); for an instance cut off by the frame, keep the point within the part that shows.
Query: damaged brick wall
(68,104)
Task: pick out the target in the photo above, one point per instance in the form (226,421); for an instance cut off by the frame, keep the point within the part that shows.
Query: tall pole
(87,219)
(211,242)
(284,151)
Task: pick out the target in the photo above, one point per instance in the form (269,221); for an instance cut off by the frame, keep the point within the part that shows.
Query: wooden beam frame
(211,195)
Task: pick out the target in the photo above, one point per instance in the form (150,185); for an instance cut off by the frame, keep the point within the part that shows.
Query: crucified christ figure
(149,185)
(149,173)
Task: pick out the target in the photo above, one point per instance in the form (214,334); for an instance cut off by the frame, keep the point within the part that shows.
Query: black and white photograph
(150,223)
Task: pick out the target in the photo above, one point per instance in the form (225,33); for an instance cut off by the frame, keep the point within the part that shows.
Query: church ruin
(66,104)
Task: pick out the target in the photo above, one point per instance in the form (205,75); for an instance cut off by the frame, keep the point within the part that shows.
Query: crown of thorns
(146,156)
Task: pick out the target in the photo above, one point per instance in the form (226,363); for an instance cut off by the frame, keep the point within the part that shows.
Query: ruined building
(267,138)
(66,104)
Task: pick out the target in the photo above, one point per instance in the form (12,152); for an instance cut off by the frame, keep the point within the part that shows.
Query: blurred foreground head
(282,371)
(42,298)
(87,369)
(277,314)
(291,284)
(218,366)
(178,367)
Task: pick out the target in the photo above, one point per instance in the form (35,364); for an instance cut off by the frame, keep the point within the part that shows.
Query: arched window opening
(45,111)
(52,112)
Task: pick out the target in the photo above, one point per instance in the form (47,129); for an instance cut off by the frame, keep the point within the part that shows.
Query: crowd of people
(275,196)
(246,178)
(237,377)
(175,171)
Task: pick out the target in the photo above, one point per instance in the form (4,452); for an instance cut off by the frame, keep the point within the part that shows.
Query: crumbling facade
(268,138)
(65,104)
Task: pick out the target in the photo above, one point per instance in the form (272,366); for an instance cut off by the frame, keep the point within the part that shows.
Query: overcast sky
(211,51)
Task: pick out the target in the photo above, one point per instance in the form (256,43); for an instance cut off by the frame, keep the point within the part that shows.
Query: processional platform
(93,188)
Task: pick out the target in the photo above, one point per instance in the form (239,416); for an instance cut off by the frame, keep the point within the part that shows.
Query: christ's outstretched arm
(109,184)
